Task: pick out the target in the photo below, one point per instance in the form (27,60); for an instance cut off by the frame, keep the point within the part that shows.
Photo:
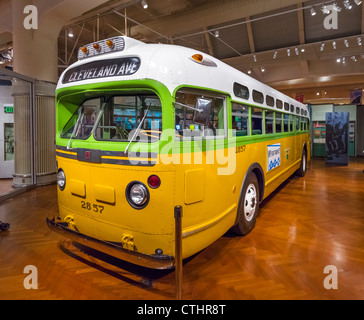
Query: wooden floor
(308,224)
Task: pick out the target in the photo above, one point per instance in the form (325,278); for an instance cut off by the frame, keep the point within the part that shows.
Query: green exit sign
(8,109)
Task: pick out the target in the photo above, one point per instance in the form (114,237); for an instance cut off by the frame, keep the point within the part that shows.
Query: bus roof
(172,65)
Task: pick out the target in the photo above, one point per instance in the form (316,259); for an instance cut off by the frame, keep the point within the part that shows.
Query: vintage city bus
(143,128)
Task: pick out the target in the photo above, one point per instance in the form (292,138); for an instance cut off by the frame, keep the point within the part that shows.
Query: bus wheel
(303,168)
(248,206)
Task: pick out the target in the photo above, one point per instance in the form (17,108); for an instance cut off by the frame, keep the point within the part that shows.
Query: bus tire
(301,172)
(248,206)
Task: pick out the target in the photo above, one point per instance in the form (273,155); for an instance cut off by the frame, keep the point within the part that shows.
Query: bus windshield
(117,119)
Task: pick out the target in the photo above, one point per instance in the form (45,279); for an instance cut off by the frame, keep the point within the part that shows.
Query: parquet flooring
(309,223)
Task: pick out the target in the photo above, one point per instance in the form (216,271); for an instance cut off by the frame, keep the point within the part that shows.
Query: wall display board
(337,137)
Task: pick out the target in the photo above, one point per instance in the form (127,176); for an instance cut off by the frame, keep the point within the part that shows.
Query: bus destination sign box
(102,69)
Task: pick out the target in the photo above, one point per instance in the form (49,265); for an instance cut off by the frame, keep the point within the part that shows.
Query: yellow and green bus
(144,128)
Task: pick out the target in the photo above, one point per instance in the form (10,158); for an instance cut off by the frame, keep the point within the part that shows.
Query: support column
(36,56)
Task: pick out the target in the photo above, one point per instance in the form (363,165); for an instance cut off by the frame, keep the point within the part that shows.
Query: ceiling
(254,36)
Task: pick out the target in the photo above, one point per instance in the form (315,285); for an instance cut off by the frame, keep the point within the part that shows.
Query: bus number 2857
(92,207)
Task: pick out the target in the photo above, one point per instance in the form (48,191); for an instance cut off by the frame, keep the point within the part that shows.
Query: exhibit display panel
(319,127)
(337,137)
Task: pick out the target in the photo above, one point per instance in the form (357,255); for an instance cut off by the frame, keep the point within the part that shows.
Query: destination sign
(102,69)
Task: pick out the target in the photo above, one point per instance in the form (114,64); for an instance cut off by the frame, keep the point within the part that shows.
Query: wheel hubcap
(250,203)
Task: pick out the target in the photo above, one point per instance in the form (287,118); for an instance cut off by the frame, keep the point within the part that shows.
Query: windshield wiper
(137,130)
(79,121)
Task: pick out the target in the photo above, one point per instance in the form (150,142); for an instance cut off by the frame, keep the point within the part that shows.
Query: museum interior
(308,240)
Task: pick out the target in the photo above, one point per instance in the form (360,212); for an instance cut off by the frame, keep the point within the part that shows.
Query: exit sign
(8,109)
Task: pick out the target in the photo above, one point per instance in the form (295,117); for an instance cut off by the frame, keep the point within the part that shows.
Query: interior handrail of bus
(137,130)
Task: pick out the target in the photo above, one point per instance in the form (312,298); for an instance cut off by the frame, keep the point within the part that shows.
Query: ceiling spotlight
(275,54)
(334,45)
(359,41)
(338,60)
(296,50)
(262,69)
(324,9)
(144,4)
(358,2)
(346,43)
(313,11)
(353,58)
(255,58)
(249,71)
(336,8)
(344,60)
(303,50)
(322,47)
(347,4)
(70,33)
(217,33)
(289,52)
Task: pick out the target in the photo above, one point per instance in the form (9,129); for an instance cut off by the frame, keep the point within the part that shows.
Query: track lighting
(275,54)
(346,43)
(336,8)
(296,50)
(324,9)
(313,11)
(255,58)
(217,33)
(262,69)
(347,4)
(334,45)
(289,52)
(359,41)
(322,47)
(144,4)
(358,2)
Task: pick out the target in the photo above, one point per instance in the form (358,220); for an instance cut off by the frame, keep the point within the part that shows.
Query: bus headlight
(137,195)
(61,179)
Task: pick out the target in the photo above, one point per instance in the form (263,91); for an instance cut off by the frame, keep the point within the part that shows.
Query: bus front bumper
(149,261)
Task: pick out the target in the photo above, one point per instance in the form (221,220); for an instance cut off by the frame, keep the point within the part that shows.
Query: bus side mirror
(203,110)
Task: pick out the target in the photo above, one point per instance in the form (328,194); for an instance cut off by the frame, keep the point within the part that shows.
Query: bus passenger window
(286,123)
(83,120)
(286,106)
(241,91)
(257,121)
(270,101)
(269,119)
(298,124)
(279,104)
(258,96)
(240,119)
(290,123)
(278,122)
(184,124)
